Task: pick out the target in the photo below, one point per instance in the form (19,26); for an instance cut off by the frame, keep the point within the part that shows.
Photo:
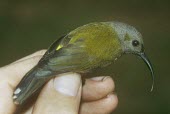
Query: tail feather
(31,82)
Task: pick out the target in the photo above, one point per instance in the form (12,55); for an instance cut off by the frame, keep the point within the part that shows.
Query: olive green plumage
(83,49)
(87,47)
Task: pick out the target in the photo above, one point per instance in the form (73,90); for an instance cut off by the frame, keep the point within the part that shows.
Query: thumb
(60,95)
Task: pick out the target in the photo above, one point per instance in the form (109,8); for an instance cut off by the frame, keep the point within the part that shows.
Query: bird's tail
(31,82)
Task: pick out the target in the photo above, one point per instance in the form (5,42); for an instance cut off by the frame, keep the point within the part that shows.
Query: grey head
(132,43)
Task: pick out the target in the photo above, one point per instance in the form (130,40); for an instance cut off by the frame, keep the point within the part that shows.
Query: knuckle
(111,103)
(40,52)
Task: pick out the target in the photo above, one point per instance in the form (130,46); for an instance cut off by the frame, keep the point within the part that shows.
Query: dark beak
(148,63)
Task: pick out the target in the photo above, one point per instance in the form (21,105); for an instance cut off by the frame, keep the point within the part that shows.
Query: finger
(60,95)
(97,88)
(13,73)
(26,108)
(10,76)
(6,101)
(38,53)
(30,60)
(103,106)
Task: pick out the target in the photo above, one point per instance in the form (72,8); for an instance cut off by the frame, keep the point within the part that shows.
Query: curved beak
(143,56)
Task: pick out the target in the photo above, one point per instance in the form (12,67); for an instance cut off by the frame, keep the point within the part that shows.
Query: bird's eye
(135,43)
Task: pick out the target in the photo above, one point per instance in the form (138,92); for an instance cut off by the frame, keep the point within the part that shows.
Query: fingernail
(67,83)
(101,78)
(105,78)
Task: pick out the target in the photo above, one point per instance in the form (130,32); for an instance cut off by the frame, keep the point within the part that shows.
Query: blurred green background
(26,27)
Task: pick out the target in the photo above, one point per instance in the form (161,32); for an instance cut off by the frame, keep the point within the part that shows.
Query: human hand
(60,95)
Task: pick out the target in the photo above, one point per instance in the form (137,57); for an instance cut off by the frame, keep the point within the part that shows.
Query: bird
(94,45)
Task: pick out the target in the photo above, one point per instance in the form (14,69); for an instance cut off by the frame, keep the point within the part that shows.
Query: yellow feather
(59,47)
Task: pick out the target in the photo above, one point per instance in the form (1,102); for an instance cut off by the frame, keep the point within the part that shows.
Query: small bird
(88,47)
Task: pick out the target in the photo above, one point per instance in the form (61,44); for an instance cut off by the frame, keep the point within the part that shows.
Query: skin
(97,93)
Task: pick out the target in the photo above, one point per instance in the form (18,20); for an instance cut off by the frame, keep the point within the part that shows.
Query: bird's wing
(36,77)
(69,57)
(60,57)
(73,58)
(52,48)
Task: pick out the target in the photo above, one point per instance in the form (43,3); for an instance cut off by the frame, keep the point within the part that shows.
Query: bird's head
(132,42)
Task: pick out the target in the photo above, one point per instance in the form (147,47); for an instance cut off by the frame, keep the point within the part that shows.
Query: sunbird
(87,47)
